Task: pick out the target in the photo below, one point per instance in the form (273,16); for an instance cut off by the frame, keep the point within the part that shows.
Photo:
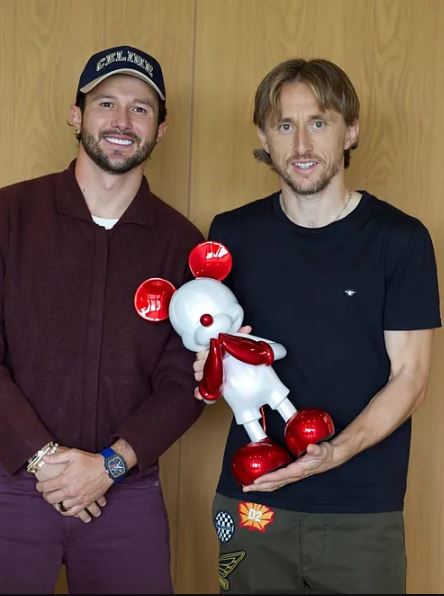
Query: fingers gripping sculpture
(206,315)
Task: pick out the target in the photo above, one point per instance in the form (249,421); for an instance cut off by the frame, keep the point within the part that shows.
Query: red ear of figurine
(210,259)
(152,299)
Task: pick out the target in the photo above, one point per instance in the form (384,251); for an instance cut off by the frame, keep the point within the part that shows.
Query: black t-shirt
(327,294)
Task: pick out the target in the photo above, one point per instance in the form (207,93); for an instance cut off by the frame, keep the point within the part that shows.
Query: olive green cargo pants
(276,551)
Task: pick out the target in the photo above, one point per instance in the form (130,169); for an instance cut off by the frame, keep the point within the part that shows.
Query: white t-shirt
(105,222)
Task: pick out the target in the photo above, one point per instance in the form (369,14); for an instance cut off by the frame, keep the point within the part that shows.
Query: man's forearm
(388,409)
(124,449)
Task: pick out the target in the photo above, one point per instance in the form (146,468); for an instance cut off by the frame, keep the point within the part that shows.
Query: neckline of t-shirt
(334,225)
(105,222)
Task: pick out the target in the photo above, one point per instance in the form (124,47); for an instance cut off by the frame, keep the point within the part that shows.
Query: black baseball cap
(122,60)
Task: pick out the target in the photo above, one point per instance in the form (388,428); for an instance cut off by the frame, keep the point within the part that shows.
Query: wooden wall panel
(7,87)
(423,182)
(41,62)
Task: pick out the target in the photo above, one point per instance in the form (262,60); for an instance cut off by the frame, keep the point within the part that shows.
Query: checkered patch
(224,524)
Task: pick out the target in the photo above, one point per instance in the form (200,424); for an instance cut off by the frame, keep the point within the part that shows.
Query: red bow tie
(244,349)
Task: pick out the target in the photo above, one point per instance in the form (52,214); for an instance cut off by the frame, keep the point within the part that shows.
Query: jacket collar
(71,202)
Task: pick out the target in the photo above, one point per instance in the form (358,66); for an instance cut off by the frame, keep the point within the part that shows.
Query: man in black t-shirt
(347,283)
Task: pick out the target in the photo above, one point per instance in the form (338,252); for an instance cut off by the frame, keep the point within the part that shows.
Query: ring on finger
(62,507)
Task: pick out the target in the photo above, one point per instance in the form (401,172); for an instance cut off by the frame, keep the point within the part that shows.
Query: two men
(353,289)
(91,395)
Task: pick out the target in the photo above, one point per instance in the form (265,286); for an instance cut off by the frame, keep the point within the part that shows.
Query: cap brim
(128,71)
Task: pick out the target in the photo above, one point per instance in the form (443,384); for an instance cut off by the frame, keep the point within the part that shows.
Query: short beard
(93,150)
(316,187)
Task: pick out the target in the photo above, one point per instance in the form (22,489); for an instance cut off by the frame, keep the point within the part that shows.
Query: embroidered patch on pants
(227,564)
(255,517)
(224,524)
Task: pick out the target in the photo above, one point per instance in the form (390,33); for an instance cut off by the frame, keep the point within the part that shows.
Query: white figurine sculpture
(206,315)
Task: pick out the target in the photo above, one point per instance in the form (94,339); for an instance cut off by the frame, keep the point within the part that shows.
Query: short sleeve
(412,295)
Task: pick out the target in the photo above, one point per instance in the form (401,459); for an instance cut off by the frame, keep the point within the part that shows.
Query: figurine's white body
(206,314)
(246,387)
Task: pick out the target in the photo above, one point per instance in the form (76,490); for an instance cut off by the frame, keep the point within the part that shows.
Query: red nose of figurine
(305,427)
(206,320)
(255,459)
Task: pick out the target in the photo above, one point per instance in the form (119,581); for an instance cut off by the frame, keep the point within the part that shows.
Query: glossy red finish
(243,348)
(206,320)
(211,383)
(210,259)
(255,459)
(305,427)
(152,299)
(247,350)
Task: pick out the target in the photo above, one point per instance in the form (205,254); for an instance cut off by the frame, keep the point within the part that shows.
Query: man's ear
(161,130)
(262,138)
(75,118)
(351,135)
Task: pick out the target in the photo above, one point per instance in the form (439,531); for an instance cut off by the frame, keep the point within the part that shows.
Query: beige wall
(214,53)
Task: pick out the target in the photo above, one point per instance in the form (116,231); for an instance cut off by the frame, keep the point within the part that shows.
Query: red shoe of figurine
(255,459)
(305,427)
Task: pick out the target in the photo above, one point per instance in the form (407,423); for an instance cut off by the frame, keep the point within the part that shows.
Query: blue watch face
(116,466)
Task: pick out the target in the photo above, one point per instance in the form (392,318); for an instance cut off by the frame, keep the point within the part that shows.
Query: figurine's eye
(206,320)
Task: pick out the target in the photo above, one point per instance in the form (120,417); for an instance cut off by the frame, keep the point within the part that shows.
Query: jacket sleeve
(22,433)
(171,408)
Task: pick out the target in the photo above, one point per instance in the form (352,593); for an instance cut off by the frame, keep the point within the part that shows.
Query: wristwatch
(115,465)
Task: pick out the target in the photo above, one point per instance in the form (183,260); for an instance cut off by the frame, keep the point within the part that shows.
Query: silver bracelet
(36,462)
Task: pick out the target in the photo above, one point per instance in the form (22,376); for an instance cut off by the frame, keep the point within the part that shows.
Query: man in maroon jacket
(90,394)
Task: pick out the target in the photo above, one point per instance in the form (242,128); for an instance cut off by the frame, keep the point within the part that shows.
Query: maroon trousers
(124,551)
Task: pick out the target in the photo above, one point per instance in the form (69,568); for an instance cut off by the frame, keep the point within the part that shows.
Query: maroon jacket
(78,365)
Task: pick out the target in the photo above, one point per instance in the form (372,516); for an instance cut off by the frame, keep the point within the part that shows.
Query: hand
(85,515)
(201,358)
(317,459)
(80,486)
(51,471)
(198,366)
